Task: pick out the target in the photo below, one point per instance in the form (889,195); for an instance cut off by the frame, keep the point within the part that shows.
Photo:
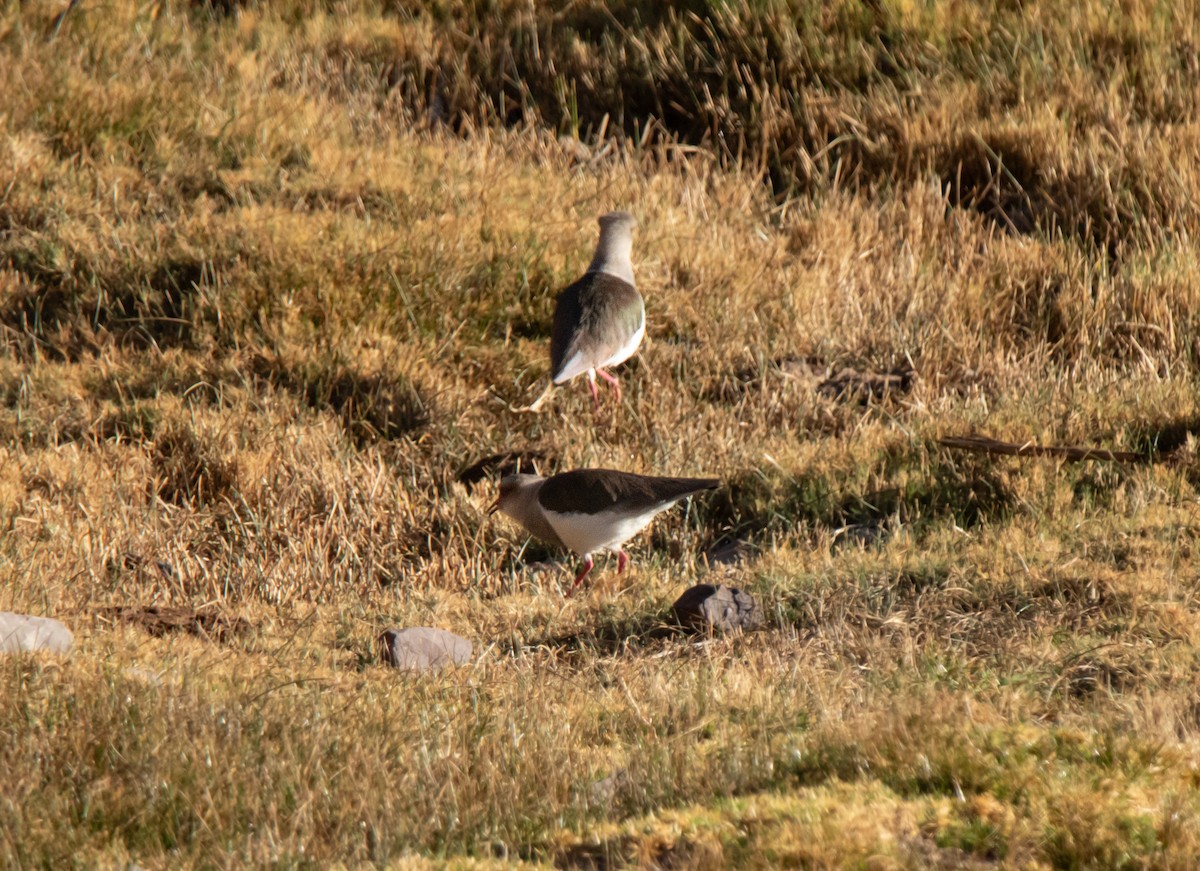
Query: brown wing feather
(590,491)
(596,316)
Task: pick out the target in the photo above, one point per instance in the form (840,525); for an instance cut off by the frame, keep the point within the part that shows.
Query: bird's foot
(588,562)
(622,561)
(612,382)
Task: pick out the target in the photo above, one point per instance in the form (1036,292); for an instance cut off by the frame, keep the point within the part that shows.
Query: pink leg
(622,561)
(612,381)
(588,562)
(595,392)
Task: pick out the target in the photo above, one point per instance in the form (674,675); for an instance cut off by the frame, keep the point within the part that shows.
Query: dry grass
(272,275)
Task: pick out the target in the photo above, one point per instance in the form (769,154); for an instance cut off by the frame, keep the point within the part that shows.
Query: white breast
(608,530)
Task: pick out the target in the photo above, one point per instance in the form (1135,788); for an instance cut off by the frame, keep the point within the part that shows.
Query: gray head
(516,492)
(519,500)
(617,221)
(615,248)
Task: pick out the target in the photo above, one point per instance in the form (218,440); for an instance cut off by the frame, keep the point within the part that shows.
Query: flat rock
(718,607)
(423,648)
(20,632)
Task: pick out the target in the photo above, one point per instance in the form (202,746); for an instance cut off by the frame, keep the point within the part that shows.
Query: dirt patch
(849,384)
(159,621)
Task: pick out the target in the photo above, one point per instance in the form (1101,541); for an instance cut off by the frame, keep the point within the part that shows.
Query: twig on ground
(985,445)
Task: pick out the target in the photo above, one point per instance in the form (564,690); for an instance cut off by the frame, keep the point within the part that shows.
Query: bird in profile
(600,320)
(590,510)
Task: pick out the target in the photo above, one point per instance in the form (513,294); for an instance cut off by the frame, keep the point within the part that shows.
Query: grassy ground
(270,276)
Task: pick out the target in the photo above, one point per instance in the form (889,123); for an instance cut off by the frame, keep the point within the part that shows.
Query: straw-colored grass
(271,275)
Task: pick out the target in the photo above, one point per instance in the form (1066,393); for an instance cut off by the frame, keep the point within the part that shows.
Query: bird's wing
(594,319)
(591,491)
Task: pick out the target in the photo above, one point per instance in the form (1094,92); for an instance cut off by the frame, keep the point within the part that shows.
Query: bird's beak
(494,507)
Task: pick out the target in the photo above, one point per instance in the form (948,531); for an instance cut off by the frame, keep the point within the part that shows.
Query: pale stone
(21,632)
(423,648)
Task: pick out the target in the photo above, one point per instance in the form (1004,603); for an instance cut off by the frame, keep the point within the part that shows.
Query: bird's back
(598,321)
(592,491)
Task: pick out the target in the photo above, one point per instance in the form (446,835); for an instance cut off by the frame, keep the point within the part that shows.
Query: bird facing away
(591,509)
(600,320)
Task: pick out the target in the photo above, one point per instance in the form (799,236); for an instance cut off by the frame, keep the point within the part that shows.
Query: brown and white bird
(589,510)
(600,320)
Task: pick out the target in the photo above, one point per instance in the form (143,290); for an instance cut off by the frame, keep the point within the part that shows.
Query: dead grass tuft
(207,623)
(190,469)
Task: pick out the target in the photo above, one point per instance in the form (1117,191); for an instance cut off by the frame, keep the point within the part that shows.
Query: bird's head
(617,222)
(515,491)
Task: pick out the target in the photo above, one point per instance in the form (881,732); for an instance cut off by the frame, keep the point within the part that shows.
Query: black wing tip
(685,487)
(699,485)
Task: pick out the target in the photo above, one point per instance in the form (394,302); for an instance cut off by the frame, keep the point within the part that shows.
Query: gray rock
(721,608)
(423,648)
(20,632)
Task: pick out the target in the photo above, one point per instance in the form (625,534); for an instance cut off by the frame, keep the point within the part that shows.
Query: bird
(599,320)
(589,510)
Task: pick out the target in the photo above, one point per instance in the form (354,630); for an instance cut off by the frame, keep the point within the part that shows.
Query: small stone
(423,648)
(20,632)
(722,608)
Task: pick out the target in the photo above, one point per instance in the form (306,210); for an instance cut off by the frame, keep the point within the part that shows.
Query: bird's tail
(680,488)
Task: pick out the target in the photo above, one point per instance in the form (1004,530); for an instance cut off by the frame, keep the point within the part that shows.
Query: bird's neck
(613,255)
(521,506)
(525,510)
(529,514)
